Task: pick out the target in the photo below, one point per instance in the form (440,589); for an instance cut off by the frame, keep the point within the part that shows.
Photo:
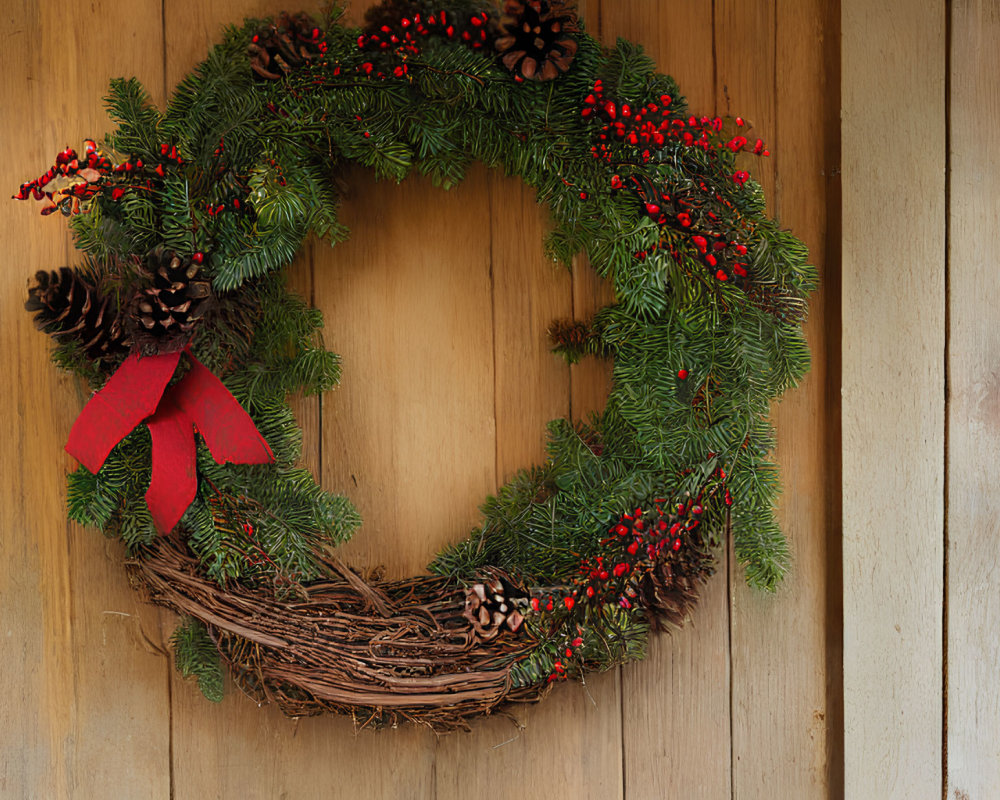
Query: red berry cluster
(140,176)
(629,135)
(637,542)
(69,180)
(404,36)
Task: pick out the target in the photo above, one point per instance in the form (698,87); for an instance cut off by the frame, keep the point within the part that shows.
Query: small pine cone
(68,306)
(283,45)
(490,607)
(537,40)
(782,304)
(671,589)
(162,316)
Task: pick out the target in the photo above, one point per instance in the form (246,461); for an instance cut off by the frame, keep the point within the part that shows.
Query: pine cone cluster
(162,316)
(537,40)
(69,306)
(490,608)
(283,45)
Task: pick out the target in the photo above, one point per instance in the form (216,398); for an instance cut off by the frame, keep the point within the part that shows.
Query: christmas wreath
(179,319)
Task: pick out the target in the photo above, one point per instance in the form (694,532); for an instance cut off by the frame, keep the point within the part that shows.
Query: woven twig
(382,652)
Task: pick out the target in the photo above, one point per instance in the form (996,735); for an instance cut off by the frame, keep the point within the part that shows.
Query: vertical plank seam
(729,651)
(619,681)
(776,139)
(170,729)
(833,433)
(948,8)
(727,552)
(319,396)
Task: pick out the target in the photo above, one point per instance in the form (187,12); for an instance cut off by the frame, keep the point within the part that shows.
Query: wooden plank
(81,689)
(893,79)
(237,749)
(774,69)
(973,650)
(577,727)
(680,692)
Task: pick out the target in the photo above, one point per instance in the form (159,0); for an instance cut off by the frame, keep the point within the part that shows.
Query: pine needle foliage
(196,656)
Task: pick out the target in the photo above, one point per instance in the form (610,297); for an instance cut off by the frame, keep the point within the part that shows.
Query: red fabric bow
(138,391)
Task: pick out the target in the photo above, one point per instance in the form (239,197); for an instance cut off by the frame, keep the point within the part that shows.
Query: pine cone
(670,590)
(538,41)
(162,317)
(283,45)
(68,306)
(489,607)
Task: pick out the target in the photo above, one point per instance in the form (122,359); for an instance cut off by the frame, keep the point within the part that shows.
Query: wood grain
(893,61)
(438,304)
(780,658)
(680,692)
(973,650)
(82,650)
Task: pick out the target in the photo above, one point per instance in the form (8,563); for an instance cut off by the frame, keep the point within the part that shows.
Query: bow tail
(129,396)
(174,480)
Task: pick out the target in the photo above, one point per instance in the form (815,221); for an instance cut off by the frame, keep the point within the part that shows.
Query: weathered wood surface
(973,507)
(438,305)
(894,159)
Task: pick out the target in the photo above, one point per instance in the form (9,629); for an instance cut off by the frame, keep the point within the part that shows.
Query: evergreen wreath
(180,317)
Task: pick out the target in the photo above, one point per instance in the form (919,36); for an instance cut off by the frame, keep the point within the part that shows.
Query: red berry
(569,602)
(633,548)
(677,545)
(682,374)
(534,603)
(620,529)
(590,591)
(198,257)
(721,275)
(616,182)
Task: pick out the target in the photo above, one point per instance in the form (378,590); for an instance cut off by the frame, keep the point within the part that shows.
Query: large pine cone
(68,306)
(538,41)
(163,316)
(283,45)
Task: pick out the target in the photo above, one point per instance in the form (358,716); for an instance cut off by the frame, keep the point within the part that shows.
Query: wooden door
(438,304)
